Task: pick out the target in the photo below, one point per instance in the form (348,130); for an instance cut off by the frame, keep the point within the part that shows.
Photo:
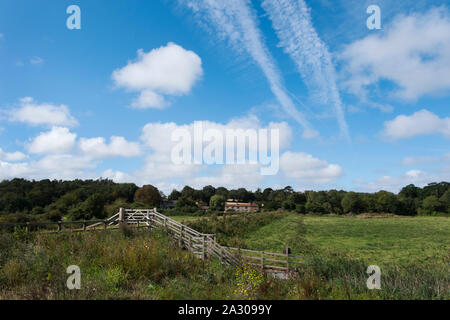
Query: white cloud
(57,166)
(157,136)
(33,113)
(414,53)
(231,177)
(160,169)
(36,60)
(413,161)
(117,176)
(2,35)
(291,20)
(12,156)
(236,23)
(420,123)
(307,169)
(396,183)
(57,140)
(118,147)
(149,99)
(169,70)
(14,170)
(53,156)
(62,164)
(300,168)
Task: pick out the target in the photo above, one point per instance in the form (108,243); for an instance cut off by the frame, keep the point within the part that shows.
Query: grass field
(400,241)
(412,252)
(393,240)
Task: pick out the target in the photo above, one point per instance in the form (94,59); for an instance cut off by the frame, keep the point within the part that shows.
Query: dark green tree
(217,203)
(352,203)
(148,195)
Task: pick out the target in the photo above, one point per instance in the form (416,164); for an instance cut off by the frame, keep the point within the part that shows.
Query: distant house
(232,205)
(168,204)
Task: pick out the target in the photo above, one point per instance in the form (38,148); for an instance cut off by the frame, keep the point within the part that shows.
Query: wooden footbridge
(203,246)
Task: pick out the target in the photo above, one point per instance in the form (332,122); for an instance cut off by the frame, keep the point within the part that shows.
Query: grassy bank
(231,228)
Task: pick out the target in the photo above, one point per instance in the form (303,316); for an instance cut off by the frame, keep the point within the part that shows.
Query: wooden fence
(203,246)
(268,261)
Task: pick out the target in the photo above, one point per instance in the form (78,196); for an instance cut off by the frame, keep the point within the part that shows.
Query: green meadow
(391,240)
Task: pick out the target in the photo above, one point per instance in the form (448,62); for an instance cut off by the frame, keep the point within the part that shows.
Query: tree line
(432,199)
(54,200)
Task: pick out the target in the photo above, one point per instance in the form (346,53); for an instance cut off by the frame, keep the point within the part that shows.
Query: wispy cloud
(292,23)
(235,22)
(36,60)
(414,161)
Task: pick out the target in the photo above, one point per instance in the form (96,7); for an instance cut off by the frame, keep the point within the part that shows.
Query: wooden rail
(267,261)
(203,246)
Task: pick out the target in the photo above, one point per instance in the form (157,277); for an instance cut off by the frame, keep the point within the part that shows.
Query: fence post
(288,250)
(121,215)
(27,227)
(106,224)
(59,226)
(262,260)
(84,225)
(204,247)
(181,236)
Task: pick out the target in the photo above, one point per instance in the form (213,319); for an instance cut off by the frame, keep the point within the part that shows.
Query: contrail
(291,20)
(235,21)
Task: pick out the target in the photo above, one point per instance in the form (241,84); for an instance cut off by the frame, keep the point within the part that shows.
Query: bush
(300,208)
(431,205)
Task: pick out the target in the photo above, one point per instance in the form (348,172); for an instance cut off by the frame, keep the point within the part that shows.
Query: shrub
(248,281)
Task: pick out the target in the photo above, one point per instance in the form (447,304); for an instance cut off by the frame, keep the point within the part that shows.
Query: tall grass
(113,265)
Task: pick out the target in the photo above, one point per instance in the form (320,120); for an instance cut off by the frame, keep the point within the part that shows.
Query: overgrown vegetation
(114,265)
(130,264)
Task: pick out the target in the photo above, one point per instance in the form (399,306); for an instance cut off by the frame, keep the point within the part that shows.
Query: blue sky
(358,109)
